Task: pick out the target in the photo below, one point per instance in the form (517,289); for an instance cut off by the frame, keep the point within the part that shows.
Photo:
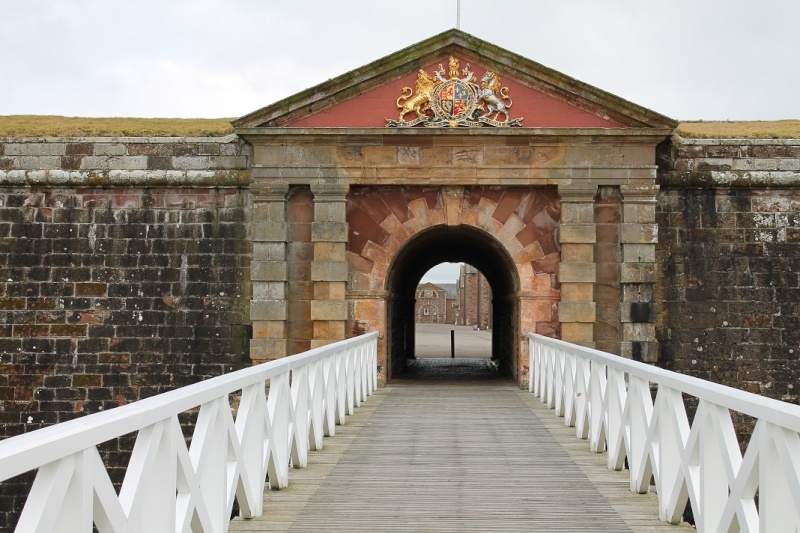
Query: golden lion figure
(419,103)
(493,95)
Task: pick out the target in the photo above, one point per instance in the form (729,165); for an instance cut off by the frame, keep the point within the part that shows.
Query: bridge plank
(446,456)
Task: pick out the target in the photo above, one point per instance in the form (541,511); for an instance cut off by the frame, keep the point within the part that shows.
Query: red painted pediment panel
(372,108)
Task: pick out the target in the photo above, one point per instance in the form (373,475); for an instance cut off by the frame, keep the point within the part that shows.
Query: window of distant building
(427,294)
(426,311)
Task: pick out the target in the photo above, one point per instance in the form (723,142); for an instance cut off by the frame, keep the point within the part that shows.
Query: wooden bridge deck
(455,456)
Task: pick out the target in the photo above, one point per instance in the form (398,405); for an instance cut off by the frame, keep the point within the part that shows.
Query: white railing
(608,400)
(171,487)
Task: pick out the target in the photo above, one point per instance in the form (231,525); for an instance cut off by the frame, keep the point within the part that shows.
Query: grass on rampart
(55,126)
(762,129)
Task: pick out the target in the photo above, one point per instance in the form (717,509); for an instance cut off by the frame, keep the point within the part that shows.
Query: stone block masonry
(113,289)
(112,295)
(729,263)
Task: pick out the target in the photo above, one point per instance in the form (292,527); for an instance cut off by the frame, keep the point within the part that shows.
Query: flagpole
(458,14)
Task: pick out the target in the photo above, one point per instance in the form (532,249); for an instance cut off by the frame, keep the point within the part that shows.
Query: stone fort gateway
(131,266)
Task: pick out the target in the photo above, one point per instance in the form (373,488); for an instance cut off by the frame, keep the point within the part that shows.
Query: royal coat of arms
(453,98)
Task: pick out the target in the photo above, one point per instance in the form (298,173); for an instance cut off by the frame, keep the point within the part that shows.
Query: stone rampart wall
(729,262)
(124,272)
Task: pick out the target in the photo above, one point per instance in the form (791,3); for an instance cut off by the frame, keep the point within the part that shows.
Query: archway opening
(453,329)
(455,244)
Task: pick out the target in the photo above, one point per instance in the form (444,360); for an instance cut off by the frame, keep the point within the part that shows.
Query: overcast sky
(687,59)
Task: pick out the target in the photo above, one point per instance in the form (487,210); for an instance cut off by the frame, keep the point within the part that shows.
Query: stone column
(268,274)
(638,236)
(577,271)
(329,268)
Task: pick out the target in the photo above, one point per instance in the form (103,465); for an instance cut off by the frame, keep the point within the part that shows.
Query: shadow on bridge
(443,369)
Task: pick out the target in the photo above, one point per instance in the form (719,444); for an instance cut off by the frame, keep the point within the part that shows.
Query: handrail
(308,395)
(608,400)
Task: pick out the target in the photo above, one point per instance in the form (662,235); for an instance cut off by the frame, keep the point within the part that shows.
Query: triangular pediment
(368,96)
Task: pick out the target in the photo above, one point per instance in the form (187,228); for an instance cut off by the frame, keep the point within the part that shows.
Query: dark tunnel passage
(452,244)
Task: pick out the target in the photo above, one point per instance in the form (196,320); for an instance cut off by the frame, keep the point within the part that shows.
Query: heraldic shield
(454,99)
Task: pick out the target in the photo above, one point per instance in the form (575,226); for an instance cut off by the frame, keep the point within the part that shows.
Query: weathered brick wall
(729,262)
(116,285)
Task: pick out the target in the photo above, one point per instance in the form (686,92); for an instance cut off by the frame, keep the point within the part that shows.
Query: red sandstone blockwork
(523,219)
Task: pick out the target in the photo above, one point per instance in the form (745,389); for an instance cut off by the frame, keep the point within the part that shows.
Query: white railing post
(148,483)
(569,389)
(358,359)
(778,472)
(640,413)
(672,429)
(299,414)
(597,428)
(330,384)
(558,387)
(615,409)
(316,387)
(252,432)
(350,373)
(582,398)
(341,387)
(279,431)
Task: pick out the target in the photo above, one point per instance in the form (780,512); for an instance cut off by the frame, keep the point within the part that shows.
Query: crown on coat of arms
(452,98)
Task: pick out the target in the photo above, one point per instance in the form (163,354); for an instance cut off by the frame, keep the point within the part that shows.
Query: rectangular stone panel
(268,271)
(577,292)
(577,233)
(637,273)
(578,332)
(577,213)
(636,331)
(577,253)
(330,251)
(577,312)
(637,311)
(269,231)
(577,272)
(269,290)
(328,310)
(638,253)
(639,233)
(329,231)
(267,349)
(268,310)
(329,271)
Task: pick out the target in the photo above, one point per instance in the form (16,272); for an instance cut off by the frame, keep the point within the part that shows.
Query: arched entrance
(452,244)
(509,233)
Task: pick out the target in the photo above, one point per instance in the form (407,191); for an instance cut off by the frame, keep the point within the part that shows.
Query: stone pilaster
(577,271)
(638,237)
(329,267)
(268,273)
